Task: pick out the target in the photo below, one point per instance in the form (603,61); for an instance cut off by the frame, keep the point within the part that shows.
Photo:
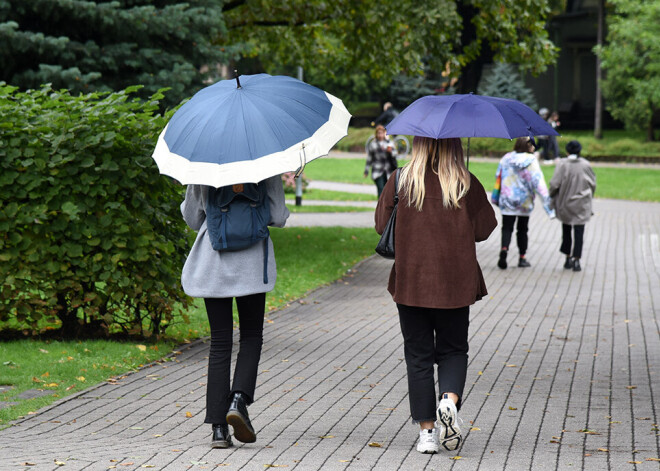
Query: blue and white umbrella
(248,129)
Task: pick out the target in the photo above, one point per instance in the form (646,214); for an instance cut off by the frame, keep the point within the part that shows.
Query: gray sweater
(208,273)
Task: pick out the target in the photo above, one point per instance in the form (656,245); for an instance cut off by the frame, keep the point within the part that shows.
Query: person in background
(572,189)
(521,181)
(442,212)
(553,146)
(219,277)
(388,114)
(381,157)
(542,142)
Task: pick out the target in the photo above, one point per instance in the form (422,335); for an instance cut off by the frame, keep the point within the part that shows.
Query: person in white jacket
(522,180)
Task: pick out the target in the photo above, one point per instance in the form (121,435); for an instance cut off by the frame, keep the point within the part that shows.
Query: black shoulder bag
(385,245)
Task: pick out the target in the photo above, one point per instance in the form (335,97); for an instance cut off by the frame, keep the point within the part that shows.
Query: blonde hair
(446,157)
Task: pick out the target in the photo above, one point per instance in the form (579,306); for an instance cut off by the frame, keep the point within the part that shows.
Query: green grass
(637,184)
(306,259)
(327,195)
(328,209)
(616,143)
(65,368)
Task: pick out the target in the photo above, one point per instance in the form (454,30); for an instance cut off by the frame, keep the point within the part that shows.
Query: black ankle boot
(569,263)
(237,417)
(221,437)
(576,265)
(522,262)
(502,261)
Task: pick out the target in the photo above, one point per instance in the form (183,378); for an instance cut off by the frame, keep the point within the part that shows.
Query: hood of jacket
(519,160)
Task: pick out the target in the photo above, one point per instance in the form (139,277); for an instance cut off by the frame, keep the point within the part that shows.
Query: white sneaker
(428,441)
(450,433)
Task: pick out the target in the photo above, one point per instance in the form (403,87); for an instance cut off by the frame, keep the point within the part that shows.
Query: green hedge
(90,233)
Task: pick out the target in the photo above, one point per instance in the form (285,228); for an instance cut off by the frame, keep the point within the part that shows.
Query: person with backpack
(232,257)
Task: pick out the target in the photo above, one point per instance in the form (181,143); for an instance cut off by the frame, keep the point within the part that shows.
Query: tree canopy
(631,60)
(85,46)
(389,37)
(107,45)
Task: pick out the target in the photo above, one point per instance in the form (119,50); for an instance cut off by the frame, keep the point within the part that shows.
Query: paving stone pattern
(563,374)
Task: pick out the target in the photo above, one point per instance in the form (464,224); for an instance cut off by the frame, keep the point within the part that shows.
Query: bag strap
(396,186)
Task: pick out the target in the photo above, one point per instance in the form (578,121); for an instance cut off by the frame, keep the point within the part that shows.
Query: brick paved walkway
(563,374)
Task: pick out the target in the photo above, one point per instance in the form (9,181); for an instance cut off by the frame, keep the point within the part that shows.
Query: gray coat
(208,273)
(572,188)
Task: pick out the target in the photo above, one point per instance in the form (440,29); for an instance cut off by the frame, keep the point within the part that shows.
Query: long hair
(446,156)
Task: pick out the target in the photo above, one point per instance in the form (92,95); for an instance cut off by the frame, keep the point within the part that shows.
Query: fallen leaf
(51,385)
(158,435)
(27,463)
(148,466)
(43,351)
(276,465)
(603,449)
(136,428)
(480,373)
(631,387)
(71,387)
(456,457)
(59,463)
(375,445)
(45,375)
(513,408)
(188,415)
(511,366)
(81,379)
(127,464)
(142,348)
(635,462)
(474,429)
(344,461)
(652,459)
(327,436)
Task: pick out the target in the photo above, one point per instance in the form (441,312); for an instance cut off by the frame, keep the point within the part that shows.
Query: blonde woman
(443,210)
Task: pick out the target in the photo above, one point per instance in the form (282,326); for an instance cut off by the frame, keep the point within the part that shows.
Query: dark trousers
(434,336)
(521,232)
(251,323)
(380,183)
(566,242)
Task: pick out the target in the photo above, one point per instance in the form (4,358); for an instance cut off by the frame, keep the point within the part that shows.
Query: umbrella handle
(303,161)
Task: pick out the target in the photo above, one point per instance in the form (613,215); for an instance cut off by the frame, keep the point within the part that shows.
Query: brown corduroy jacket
(435,264)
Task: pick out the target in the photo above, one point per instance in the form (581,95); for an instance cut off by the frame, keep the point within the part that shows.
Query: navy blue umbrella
(249,128)
(445,116)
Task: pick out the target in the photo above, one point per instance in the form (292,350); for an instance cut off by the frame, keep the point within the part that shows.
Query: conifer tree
(504,81)
(100,45)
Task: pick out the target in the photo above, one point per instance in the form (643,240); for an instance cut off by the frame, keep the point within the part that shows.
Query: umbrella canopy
(248,129)
(445,116)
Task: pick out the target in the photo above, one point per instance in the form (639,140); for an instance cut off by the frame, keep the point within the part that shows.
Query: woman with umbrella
(443,212)
(229,137)
(219,277)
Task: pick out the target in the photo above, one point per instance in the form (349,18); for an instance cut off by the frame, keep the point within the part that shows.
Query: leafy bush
(90,233)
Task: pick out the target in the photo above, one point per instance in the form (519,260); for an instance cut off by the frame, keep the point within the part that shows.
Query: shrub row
(90,233)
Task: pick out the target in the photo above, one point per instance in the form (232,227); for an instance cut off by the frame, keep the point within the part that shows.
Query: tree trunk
(598,114)
(69,317)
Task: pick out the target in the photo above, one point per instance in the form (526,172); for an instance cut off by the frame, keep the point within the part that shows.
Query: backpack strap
(266,259)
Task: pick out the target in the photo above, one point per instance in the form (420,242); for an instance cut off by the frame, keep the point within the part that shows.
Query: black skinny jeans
(566,242)
(434,336)
(251,323)
(521,232)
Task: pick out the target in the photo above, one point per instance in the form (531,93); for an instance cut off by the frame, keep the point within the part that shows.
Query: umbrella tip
(238,82)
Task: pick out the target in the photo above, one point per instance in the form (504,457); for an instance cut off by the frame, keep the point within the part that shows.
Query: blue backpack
(237,217)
